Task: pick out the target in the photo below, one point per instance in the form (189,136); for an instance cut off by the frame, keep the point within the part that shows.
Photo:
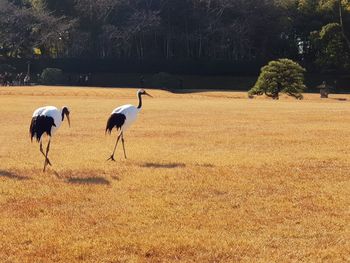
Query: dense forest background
(181,33)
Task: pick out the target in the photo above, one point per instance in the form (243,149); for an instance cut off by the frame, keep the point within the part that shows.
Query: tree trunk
(141,47)
(342,24)
(200,46)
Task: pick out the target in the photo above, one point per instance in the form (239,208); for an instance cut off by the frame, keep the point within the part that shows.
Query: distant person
(8,81)
(21,79)
(26,80)
(4,79)
(1,79)
(80,80)
(86,79)
(17,79)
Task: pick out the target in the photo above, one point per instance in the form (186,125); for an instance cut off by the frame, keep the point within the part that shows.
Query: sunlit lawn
(210,177)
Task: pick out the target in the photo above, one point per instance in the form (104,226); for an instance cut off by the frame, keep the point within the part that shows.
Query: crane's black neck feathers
(140,100)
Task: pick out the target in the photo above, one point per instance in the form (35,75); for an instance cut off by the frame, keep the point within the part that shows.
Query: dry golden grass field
(210,177)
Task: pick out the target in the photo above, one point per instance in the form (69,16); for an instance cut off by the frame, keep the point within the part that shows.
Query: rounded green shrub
(282,75)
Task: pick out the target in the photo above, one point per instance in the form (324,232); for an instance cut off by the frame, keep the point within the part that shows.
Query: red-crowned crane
(47,120)
(122,117)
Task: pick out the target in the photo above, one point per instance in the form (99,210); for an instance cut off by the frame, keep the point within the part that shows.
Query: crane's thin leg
(42,151)
(47,152)
(123,144)
(115,147)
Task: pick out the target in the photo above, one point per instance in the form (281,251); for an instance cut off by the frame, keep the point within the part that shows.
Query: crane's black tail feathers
(115,120)
(40,125)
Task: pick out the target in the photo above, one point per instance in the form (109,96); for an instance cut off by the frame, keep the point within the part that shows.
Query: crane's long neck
(140,101)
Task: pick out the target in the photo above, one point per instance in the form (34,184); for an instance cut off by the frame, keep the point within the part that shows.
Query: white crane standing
(47,120)
(122,117)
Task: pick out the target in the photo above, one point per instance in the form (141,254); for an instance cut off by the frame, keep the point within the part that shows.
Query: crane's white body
(130,112)
(50,111)
(122,118)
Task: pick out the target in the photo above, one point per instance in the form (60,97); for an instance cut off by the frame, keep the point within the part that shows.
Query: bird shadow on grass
(88,181)
(11,175)
(73,177)
(340,99)
(163,165)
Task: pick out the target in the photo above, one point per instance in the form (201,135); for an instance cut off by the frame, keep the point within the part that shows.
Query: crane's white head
(66,112)
(141,92)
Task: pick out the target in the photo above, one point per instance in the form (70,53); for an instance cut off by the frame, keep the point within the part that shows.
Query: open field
(210,177)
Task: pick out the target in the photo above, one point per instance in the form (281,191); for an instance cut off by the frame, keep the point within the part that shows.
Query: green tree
(341,8)
(333,52)
(282,75)
(24,27)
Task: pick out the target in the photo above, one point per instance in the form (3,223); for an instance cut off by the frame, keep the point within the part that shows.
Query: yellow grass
(211,177)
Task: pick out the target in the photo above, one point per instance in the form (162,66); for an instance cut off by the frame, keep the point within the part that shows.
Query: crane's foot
(111,158)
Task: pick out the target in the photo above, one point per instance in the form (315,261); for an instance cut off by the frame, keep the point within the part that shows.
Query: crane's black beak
(149,95)
(68,119)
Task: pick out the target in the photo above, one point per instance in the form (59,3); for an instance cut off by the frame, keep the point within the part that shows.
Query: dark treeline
(313,32)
